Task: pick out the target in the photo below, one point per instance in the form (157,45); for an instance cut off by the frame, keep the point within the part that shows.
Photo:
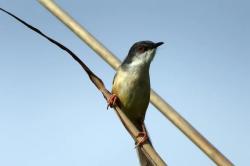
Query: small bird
(131,88)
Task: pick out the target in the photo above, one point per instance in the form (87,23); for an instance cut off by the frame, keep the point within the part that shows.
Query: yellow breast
(133,91)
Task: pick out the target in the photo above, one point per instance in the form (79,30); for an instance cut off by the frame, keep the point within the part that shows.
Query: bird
(131,88)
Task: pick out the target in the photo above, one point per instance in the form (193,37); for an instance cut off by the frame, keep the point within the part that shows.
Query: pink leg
(111,101)
(144,136)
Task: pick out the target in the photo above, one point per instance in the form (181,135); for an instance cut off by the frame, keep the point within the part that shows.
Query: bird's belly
(133,93)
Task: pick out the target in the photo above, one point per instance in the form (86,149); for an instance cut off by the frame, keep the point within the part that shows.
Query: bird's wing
(114,78)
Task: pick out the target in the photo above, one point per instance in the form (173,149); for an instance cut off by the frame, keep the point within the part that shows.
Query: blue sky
(50,113)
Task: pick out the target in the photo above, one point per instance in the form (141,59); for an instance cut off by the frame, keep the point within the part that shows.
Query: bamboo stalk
(213,153)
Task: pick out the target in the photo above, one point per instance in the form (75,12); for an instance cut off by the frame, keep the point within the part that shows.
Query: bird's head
(141,53)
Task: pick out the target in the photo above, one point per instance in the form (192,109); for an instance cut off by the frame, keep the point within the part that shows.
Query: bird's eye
(142,49)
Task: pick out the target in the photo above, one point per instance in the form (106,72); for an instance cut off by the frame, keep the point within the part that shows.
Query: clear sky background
(51,114)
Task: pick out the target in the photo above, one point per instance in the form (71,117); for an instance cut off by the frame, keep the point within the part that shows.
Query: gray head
(141,53)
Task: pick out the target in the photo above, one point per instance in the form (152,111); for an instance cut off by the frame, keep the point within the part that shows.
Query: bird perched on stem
(131,88)
(131,84)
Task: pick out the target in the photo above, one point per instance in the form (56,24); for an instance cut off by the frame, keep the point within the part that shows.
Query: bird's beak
(158,44)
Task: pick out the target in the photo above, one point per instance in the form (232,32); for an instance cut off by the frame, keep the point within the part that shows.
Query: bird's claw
(144,137)
(111,101)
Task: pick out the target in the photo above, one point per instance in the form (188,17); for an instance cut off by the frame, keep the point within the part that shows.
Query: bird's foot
(143,140)
(143,134)
(111,101)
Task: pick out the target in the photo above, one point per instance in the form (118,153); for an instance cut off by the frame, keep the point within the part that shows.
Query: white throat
(143,59)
